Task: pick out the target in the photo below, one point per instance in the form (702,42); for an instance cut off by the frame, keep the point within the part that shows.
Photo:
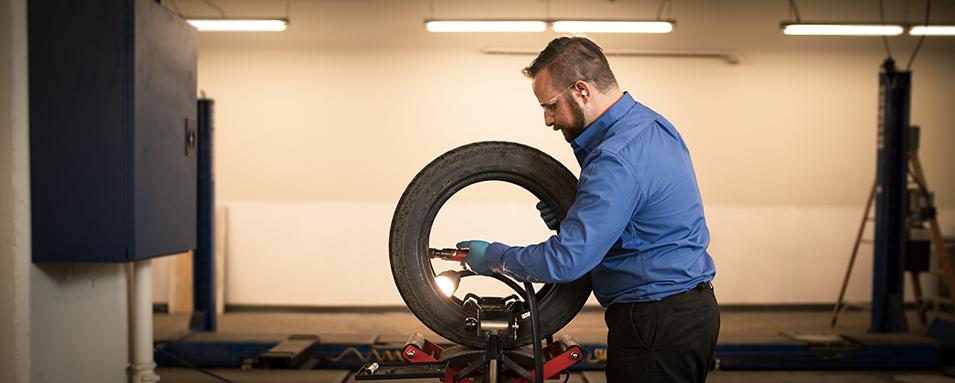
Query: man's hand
(475,258)
(548,215)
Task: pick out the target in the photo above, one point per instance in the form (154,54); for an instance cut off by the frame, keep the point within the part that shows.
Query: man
(636,224)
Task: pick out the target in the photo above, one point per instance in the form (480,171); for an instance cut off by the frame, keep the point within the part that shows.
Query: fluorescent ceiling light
(932,30)
(235,25)
(486,26)
(729,55)
(843,29)
(614,26)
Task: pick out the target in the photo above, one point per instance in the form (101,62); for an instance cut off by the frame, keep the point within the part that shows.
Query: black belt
(704,285)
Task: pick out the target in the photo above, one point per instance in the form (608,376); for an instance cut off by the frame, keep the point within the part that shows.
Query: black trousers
(672,340)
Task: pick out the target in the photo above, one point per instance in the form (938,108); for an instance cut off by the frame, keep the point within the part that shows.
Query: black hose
(514,286)
(536,330)
(507,281)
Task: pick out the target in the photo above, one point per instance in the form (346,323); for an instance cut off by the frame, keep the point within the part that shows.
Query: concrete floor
(587,327)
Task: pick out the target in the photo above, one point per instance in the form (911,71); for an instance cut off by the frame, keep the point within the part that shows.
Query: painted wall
(320,128)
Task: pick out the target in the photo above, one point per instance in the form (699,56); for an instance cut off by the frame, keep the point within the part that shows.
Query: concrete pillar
(14,195)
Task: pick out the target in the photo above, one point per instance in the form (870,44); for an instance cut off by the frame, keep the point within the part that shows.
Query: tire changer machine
(499,339)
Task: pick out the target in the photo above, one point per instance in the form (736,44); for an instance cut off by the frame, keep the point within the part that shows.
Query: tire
(518,164)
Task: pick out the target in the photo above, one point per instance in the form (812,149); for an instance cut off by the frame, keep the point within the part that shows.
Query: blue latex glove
(548,215)
(475,258)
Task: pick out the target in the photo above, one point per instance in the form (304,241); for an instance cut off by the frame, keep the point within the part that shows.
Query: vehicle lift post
(203,260)
(891,204)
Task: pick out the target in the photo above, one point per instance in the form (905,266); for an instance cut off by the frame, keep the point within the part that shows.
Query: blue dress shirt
(637,222)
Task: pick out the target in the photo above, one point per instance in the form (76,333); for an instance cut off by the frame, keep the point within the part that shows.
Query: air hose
(536,331)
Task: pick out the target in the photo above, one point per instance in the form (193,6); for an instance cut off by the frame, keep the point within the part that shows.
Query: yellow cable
(599,355)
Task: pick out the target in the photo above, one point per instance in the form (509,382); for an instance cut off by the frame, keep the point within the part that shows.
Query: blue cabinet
(112,130)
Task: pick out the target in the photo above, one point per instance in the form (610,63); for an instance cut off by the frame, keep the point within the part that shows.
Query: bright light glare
(933,31)
(843,30)
(239,25)
(486,26)
(613,26)
(446,285)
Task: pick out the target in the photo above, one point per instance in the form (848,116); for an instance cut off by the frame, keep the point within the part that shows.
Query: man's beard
(576,126)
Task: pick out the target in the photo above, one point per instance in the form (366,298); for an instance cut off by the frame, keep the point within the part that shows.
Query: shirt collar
(594,134)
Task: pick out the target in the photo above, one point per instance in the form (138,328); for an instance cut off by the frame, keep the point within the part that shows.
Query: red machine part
(430,353)
(555,360)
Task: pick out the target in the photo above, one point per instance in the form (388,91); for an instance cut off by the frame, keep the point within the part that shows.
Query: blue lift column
(203,260)
(888,311)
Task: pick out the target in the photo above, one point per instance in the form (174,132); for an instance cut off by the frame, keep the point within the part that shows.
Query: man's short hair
(571,58)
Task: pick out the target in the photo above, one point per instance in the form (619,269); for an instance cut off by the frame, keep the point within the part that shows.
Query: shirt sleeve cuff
(493,256)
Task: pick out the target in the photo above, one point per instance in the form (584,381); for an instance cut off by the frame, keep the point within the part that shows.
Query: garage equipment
(494,321)
(411,253)
(491,332)
(293,352)
(455,255)
(920,212)
(901,211)
(888,343)
(112,161)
